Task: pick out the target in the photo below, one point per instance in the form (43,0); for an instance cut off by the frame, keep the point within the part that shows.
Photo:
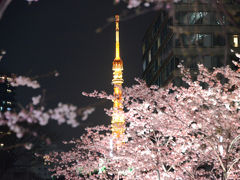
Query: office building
(7,93)
(191,32)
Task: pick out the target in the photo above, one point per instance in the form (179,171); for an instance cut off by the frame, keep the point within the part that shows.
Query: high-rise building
(191,32)
(7,93)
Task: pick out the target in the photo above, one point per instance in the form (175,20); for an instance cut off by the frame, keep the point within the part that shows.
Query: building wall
(7,93)
(197,32)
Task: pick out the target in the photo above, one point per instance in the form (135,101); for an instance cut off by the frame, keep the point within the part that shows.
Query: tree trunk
(224,176)
(158,174)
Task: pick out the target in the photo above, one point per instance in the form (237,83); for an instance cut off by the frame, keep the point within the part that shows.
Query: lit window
(149,56)
(1,108)
(199,18)
(235,41)
(9,79)
(9,90)
(9,109)
(9,102)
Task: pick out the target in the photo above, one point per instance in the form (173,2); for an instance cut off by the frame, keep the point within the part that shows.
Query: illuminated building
(198,32)
(118,122)
(7,93)
(7,138)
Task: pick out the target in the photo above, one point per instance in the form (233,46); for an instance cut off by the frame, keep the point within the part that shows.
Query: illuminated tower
(118,122)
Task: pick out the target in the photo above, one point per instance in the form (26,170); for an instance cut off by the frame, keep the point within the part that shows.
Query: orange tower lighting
(118,122)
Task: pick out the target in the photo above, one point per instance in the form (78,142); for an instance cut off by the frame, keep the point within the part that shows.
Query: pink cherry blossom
(36,99)
(86,113)
(35,113)
(31,1)
(25,81)
(171,133)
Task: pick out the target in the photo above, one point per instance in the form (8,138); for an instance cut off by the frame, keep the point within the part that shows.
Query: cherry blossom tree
(190,132)
(198,127)
(35,113)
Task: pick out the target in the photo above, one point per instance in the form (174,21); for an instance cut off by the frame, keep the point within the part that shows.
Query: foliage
(188,132)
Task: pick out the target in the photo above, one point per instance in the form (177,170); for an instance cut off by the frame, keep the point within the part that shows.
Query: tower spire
(117,38)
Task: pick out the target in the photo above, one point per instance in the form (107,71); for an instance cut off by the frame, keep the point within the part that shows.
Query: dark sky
(60,35)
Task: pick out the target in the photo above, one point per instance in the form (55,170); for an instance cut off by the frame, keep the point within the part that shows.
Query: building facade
(7,93)
(191,32)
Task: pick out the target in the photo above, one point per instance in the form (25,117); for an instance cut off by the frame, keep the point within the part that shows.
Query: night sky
(61,35)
